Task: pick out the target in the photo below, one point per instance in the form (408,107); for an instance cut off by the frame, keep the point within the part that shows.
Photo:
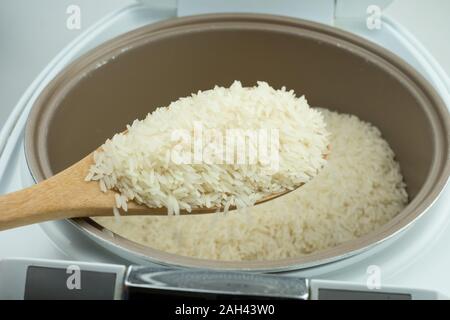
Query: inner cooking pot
(129,76)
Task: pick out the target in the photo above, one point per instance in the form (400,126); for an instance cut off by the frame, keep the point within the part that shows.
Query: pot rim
(428,194)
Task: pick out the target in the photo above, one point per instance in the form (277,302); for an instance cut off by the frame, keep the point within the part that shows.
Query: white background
(33,31)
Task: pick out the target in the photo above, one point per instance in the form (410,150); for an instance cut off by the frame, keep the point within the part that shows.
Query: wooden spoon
(68,195)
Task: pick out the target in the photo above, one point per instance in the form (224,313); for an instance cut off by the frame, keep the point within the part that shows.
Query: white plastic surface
(317,10)
(358,8)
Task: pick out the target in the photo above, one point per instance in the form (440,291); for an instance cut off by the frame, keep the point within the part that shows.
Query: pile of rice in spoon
(220,148)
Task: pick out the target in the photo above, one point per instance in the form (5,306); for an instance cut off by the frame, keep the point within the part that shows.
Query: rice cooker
(364,65)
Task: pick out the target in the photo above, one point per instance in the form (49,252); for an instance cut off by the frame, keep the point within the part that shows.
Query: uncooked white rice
(138,163)
(360,189)
(116,214)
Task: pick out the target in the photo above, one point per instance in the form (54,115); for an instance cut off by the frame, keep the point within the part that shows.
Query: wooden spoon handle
(62,196)
(31,205)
